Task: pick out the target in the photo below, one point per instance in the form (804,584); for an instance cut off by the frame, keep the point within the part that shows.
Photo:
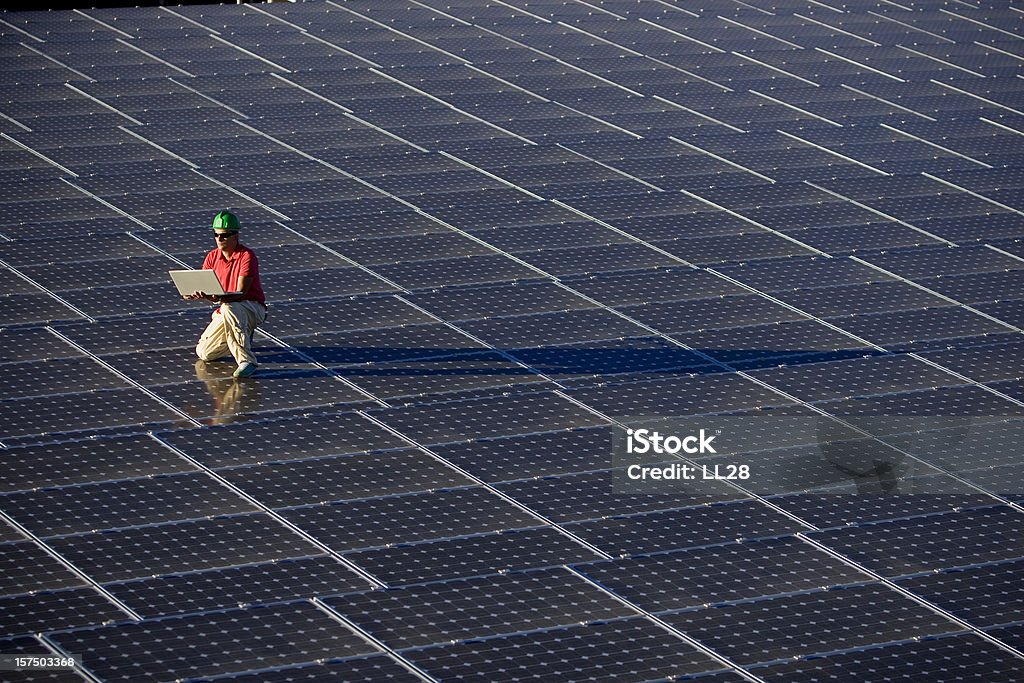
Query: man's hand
(196,296)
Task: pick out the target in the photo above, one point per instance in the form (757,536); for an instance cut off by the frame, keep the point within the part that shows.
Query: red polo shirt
(241,263)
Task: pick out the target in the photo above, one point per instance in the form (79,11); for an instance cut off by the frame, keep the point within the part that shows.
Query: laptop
(189,281)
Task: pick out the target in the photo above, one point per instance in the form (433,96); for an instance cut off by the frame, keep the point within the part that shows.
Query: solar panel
(181,546)
(926,657)
(479,269)
(119,504)
(830,506)
(847,239)
(205,644)
(29,568)
(922,550)
(717,524)
(231,587)
(55,609)
(477,555)
(683,395)
(663,284)
(650,652)
(494,238)
(804,622)
(906,326)
(576,497)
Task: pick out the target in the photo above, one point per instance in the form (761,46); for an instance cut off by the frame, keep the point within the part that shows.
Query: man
(243,308)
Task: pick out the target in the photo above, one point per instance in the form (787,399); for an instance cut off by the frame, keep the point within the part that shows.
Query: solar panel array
(488,232)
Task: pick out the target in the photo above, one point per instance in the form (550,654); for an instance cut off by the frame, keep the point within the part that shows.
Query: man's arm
(244,283)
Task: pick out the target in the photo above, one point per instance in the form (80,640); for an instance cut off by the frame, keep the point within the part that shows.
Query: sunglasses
(224,235)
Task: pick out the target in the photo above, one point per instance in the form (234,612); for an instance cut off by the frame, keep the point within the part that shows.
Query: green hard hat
(225,220)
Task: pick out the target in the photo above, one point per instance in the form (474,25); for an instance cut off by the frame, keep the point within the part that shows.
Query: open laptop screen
(189,281)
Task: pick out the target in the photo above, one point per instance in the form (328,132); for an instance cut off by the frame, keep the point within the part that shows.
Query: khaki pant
(230,331)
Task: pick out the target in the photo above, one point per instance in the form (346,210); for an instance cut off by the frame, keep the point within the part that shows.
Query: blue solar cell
(759,568)
(43,190)
(662,284)
(28,568)
(335,478)
(82,508)
(924,262)
(912,546)
(65,209)
(479,269)
(349,670)
(768,345)
(194,646)
(505,215)
(976,287)
(235,586)
(790,627)
(723,249)
(475,608)
(985,596)
(959,401)
(182,546)
(552,328)
(217,399)
(844,491)
(353,313)
(776,195)
(484,302)
(864,376)
(679,395)
(949,204)
(391,520)
(419,186)
(578,497)
(1006,311)
(330,282)
(472,556)
(658,531)
(490,417)
(910,326)
(35,308)
(405,343)
(610,359)
(710,313)
(629,649)
(850,239)
(28,645)
(79,462)
(855,299)
(982,363)
(15,284)
(597,259)
(942,657)
(311,212)
(49,610)
(99,409)
(518,456)
(289,438)
(535,238)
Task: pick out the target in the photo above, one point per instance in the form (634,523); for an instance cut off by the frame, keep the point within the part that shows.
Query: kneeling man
(243,308)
